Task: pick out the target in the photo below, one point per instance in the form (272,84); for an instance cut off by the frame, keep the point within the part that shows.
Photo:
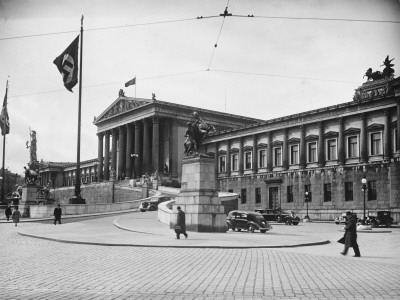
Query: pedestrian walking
(57,214)
(180,226)
(8,212)
(350,236)
(16,215)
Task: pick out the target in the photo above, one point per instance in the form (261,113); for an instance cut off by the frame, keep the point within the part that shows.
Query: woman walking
(16,215)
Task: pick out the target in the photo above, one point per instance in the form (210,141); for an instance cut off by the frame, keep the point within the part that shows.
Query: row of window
(331,153)
(84,180)
(349,195)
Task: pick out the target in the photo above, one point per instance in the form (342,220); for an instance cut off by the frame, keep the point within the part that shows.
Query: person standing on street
(180,224)
(16,215)
(57,214)
(8,213)
(351,234)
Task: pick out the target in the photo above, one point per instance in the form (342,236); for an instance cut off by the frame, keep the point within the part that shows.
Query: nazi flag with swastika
(67,64)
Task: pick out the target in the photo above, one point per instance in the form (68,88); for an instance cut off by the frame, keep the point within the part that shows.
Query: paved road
(42,269)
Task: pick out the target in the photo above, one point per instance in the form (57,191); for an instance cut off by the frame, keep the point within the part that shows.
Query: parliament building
(325,152)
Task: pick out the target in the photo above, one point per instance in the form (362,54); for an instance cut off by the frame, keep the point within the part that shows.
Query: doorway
(273,197)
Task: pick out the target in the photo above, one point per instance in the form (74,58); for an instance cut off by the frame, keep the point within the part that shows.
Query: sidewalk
(142,229)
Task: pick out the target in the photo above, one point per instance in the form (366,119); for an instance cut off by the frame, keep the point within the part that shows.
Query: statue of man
(32,146)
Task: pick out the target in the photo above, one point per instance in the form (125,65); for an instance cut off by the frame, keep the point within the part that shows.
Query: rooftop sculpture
(387,71)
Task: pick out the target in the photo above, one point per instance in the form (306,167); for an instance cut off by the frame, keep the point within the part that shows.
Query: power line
(326,19)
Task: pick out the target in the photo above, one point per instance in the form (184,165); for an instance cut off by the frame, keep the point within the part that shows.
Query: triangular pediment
(121,105)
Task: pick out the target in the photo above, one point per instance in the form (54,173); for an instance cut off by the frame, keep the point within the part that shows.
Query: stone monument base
(198,197)
(77,200)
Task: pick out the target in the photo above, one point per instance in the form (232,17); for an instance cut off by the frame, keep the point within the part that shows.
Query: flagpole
(4,153)
(77,199)
(135,86)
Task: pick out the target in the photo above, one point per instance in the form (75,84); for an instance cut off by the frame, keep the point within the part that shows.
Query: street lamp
(364,189)
(307,198)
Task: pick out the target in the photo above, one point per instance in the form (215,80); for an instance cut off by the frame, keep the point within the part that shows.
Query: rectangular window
(290,194)
(243,196)
(376,143)
(247,159)
(352,146)
(262,158)
(372,195)
(348,186)
(258,195)
(277,157)
(327,192)
(222,164)
(294,154)
(307,188)
(331,149)
(312,152)
(234,162)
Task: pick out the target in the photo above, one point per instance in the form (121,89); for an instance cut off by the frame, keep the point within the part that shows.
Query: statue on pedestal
(31,176)
(195,134)
(33,163)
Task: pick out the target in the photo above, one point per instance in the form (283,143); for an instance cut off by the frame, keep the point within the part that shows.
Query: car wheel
(337,223)
(263,231)
(239,230)
(288,222)
(388,224)
(278,218)
(250,228)
(372,224)
(295,223)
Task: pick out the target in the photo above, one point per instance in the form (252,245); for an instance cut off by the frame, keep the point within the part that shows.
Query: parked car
(152,204)
(342,219)
(380,218)
(279,216)
(250,221)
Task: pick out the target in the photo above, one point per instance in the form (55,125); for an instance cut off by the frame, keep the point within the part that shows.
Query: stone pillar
(216,162)
(285,157)
(156,144)
(363,139)
(341,150)
(128,157)
(240,156)
(107,156)
(321,148)
(269,154)
(100,156)
(114,150)
(198,197)
(174,149)
(255,158)
(387,145)
(146,146)
(121,152)
(137,170)
(228,158)
(398,124)
(303,152)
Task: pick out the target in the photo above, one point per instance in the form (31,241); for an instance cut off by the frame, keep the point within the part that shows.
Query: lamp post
(306,199)
(364,189)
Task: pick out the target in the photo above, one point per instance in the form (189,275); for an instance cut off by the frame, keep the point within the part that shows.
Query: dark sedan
(250,221)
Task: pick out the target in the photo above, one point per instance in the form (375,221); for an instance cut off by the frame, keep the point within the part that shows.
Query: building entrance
(273,197)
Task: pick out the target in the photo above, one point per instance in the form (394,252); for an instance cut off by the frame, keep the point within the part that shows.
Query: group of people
(16,215)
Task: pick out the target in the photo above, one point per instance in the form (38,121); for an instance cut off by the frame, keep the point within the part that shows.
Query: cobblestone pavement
(40,269)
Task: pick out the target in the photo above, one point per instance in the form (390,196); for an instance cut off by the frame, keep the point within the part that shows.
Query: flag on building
(130,82)
(67,64)
(4,120)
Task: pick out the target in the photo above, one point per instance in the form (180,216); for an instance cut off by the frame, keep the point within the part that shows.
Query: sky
(291,57)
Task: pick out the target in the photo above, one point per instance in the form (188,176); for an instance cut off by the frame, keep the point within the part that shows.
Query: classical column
(240,156)
(228,158)
(137,171)
(387,145)
(321,148)
(341,152)
(174,149)
(255,158)
(398,124)
(114,151)
(122,153)
(285,157)
(129,152)
(216,160)
(303,152)
(146,147)
(363,139)
(156,144)
(269,152)
(100,136)
(107,156)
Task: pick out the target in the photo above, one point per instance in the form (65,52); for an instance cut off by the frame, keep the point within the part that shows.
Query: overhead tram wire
(328,19)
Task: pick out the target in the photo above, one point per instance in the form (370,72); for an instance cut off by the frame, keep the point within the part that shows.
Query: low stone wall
(165,211)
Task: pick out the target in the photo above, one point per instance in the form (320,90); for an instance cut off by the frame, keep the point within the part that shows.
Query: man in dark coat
(8,213)
(181,222)
(57,215)
(351,235)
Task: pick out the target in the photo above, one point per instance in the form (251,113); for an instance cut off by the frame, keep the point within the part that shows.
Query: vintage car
(380,218)
(277,215)
(342,219)
(152,204)
(250,221)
